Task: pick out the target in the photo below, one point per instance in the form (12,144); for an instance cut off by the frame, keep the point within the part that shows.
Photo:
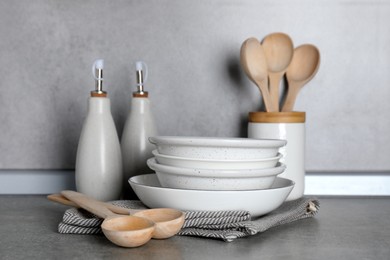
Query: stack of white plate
(198,173)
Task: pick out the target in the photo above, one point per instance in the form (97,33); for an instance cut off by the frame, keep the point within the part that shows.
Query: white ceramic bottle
(139,126)
(99,160)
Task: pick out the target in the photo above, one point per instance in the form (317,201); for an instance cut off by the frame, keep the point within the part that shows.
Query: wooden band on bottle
(277,117)
(97,94)
(143,94)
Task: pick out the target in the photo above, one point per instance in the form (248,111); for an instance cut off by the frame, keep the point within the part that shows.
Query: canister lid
(277,117)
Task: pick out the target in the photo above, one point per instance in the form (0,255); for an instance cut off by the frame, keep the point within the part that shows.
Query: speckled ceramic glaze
(257,202)
(208,179)
(216,164)
(217,148)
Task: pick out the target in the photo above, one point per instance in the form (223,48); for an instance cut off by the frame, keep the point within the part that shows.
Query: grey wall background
(196,84)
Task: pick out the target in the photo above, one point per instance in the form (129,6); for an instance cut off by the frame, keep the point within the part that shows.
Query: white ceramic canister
(289,126)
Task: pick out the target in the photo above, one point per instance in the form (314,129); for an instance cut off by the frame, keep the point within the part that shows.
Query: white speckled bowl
(217,148)
(216,164)
(206,179)
(257,202)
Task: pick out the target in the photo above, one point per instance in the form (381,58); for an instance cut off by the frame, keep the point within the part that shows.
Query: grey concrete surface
(196,84)
(345,228)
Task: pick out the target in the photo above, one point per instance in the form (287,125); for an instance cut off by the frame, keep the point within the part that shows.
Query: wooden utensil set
(268,62)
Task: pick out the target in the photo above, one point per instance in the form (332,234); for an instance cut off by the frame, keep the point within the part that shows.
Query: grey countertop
(345,228)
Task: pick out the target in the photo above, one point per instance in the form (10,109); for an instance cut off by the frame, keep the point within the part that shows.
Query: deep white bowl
(216,164)
(257,202)
(200,179)
(217,148)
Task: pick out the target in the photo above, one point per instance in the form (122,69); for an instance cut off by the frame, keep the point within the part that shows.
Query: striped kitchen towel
(225,225)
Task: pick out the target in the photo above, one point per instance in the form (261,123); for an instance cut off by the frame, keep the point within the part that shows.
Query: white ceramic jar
(289,126)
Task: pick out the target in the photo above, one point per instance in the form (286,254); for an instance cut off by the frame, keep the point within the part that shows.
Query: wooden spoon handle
(274,84)
(292,93)
(269,107)
(116,209)
(62,200)
(94,206)
(263,86)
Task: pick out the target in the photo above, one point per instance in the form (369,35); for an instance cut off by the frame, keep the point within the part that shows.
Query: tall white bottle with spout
(139,126)
(99,160)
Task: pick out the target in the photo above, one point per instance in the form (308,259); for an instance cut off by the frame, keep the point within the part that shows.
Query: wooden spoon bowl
(167,221)
(302,69)
(253,61)
(128,231)
(279,50)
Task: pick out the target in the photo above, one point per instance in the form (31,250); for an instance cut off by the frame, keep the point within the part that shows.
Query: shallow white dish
(257,202)
(190,178)
(217,148)
(216,164)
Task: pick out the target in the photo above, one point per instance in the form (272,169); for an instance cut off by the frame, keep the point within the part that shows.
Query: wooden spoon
(167,221)
(302,69)
(254,63)
(63,200)
(279,50)
(126,231)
